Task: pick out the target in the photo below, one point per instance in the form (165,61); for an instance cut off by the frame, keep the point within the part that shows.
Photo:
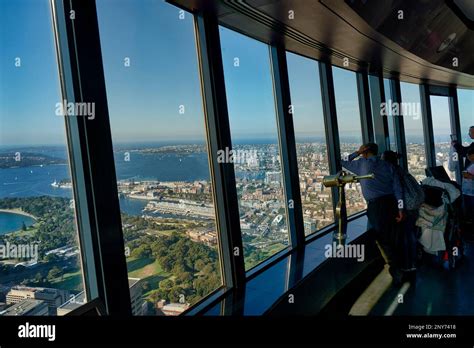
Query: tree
(23,226)
(208,269)
(199,264)
(51,258)
(166,284)
(142,252)
(179,268)
(166,263)
(54,273)
(38,277)
(185,278)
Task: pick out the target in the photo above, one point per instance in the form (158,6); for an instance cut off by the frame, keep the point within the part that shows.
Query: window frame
(364,129)
(92,161)
(426,91)
(403,131)
(276,70)
(398,123)
(216,116)
(327,124)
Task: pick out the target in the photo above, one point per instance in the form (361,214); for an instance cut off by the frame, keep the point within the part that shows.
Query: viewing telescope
(339,180)
(342,178)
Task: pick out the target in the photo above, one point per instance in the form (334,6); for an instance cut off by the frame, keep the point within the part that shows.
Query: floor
(437,291)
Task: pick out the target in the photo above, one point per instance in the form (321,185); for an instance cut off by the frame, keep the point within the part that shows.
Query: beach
(18,212)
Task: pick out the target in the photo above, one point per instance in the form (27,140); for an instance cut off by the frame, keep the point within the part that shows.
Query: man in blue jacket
(384,196)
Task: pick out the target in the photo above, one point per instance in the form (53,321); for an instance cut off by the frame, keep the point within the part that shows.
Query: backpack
(413,192)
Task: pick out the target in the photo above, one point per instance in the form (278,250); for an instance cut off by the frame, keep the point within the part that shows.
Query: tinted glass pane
(161,156)
(350,131)
(410,94)
(441,131)
(254,134)
(466,114)
(40,270)
(311,146)
(390,116)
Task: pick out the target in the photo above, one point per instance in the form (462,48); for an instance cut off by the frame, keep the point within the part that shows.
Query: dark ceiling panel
(464,9)
(426,28)
(331,30)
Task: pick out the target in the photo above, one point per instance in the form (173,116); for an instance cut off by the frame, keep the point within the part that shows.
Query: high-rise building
(136,291)
(310,226)
(272,177)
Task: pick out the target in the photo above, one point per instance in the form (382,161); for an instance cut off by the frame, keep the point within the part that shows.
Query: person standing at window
(468,186)
(413,197)
(468,193)
(463,150)
(384,198)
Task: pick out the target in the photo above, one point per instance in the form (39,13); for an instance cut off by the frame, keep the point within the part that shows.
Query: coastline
(19,212)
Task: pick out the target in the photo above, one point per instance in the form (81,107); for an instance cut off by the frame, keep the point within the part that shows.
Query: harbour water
(36,181)
(10,222)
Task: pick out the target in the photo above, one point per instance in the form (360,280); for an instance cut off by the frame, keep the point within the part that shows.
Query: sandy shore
(19,212)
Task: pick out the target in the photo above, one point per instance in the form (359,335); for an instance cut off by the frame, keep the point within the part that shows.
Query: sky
(28,93)
(147,98)
(249,86)
(347,105)
(306,99)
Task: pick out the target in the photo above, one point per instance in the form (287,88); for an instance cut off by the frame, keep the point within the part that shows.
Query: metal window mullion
(364,107)
(90,146)
(331,128)
(380,122)
(427,125)
(286,136)
(455,125)
(398,123)
(219,138)
(83,222)
(294,272)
